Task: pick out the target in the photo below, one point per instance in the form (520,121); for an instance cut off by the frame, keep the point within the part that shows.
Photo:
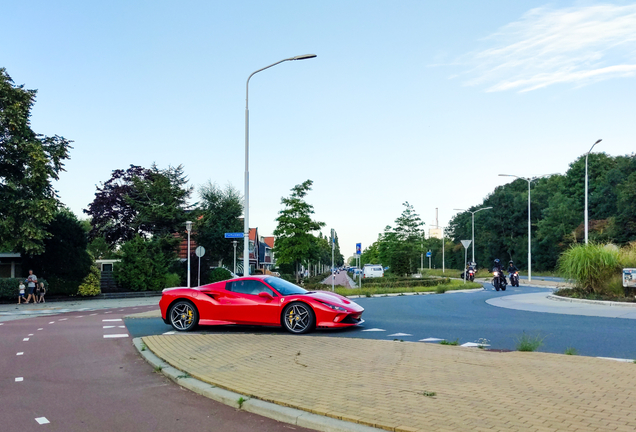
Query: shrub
(9,287)
(591,266)
(143,266)
(529,343)
(172,280)
(440,290)
(219,274)
(90,285)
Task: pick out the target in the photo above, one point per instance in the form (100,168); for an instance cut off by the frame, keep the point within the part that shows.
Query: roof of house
(269,241)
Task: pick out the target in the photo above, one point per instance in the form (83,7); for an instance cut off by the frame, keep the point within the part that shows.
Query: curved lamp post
(529,180)
(588,153)
(473,212)
(246,226)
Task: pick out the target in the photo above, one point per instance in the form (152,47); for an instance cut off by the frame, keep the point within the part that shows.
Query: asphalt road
(465,317)
(78,371)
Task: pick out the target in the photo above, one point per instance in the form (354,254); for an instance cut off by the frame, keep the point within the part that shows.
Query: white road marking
(473,345)
(41,328)
(1,323)
(92,314)
(116,335)
(108,312)
(112,320)
(430,340)
(374,329)
(108,327)
(399,334)
(121,310)
(617,359)
(81,316)
(30,334)
(62,319)
(169,333)
(25,340)
(42,420)
(52,322)
(20,353)
(19,379)
(121,326)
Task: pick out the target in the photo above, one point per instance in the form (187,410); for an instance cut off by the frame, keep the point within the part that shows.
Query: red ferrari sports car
(257,300)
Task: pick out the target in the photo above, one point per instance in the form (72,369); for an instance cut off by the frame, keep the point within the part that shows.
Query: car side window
(251,287)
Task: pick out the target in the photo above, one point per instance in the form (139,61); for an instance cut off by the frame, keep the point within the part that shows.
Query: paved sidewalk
(402,386)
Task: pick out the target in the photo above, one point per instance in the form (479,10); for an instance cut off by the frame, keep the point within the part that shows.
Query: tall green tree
(144,265)
(294,240)
(220,212)
(401,246)
(65,262)
(28,163)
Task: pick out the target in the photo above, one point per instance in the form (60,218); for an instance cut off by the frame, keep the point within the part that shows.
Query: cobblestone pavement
(402,386)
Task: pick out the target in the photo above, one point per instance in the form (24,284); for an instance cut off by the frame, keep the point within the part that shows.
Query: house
(267,254)
(10,265)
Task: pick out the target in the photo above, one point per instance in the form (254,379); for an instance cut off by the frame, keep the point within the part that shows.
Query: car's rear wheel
(298,318)
(184,316)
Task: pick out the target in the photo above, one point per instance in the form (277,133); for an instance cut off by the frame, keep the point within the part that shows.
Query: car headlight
(495,273)
(334,307)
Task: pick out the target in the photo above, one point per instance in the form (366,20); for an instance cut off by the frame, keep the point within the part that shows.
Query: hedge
(9,287)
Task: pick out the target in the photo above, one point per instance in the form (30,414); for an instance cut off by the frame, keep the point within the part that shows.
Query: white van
(372,271)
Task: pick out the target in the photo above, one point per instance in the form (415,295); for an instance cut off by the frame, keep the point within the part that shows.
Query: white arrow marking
(374,329)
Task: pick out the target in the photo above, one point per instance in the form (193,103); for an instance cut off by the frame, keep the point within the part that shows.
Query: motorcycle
(514,279)
(470,275)
(499,280)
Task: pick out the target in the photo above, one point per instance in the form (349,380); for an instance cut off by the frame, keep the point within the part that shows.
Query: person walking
(21,295)
(41,292)
(31,280)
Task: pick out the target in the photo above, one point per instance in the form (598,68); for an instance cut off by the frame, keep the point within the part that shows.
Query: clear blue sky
(417,101)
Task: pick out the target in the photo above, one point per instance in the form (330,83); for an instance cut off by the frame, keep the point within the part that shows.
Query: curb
(417,293)
(256,406)
(594,302)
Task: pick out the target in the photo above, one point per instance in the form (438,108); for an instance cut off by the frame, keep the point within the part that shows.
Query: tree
(139,201)
(399,246)
(28,163)
(65,262)
(144,265)
(220,212)
(294,240)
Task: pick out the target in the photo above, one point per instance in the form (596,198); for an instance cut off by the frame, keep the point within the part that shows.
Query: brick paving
(385,383)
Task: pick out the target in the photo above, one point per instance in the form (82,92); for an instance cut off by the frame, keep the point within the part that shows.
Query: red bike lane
(79,371)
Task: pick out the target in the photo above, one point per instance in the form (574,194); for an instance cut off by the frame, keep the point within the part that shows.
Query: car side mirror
(265,295)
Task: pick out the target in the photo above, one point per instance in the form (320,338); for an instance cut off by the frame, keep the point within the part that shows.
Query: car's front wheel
(184,316)
(298,318)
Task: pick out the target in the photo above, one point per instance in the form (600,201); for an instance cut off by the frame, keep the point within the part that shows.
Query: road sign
(358,248)
(629,277)
(428,254)
(234,235)
(466,243)
(199,251)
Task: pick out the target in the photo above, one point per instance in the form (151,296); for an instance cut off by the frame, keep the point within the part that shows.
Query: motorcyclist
(498,267)
(512,268)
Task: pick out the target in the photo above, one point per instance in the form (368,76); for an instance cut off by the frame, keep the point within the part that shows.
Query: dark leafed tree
(139,201)
(294,238)
(220,212)
(28,163)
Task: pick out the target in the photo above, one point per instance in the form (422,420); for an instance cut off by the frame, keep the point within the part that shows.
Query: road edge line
(256,406)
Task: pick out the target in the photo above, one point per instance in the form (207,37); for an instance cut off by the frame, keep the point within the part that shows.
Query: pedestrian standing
(32,280)
(42,291)
(21,295)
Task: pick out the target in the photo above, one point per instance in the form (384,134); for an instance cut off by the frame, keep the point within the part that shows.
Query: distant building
(435,233)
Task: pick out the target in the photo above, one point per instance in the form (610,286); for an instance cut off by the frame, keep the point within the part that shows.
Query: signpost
(234,242)
(629,277)
(199,251)
(234,235)
(465,243)
(428,255)
(333,269)
(358,253)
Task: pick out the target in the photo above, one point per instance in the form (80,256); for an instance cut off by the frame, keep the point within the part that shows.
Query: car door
(247,307)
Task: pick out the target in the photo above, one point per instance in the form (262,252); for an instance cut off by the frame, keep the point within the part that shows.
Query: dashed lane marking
(122,335)
(92,314)
(169,333)
(108,326)
(399,334)
(30,334)
(20,353)
(19,379)
(121,326)
(112,320)
(108,312)
(25,340)
(62,319)
(41,328)
(374,329)
(42,420)
(431,340)
(81,316)
(617,359)
(52,322)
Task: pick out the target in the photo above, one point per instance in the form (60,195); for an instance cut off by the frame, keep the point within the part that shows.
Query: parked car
(372,271)
(258,300)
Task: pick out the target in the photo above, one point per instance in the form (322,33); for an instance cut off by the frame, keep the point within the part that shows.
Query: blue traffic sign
(359,248)
(428,254)
(234,235)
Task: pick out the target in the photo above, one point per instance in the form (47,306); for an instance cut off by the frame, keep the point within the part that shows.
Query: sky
(418,101)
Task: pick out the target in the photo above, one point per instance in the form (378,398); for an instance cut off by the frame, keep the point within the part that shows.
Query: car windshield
(283,287)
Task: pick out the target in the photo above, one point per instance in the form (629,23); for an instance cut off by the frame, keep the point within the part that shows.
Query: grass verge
(451,286)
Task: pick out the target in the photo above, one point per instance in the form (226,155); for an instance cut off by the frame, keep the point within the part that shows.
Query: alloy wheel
(183,316)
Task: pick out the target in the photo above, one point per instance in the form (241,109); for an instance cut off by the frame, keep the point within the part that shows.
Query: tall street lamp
(473,213)
(529,180)
(588,153)
(246,227)
(188,228)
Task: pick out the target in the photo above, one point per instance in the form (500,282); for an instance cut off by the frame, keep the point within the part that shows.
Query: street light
(188,228)
(588,153)
(529,180)
(246,226)
(473,241)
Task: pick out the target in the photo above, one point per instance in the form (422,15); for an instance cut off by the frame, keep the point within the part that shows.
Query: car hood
(335,299)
